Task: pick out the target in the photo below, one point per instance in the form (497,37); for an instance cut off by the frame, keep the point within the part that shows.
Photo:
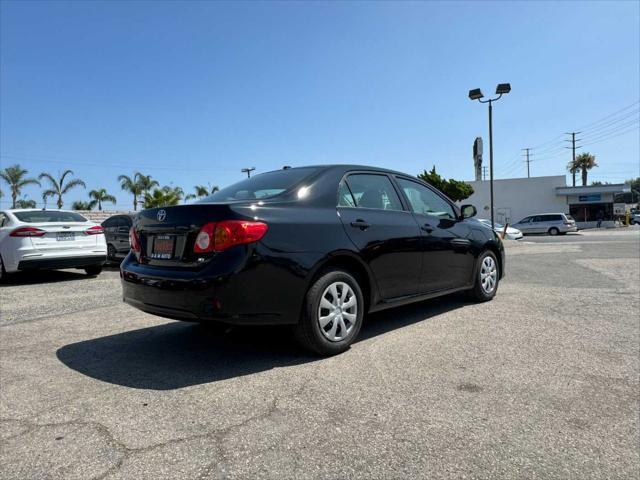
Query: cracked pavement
(542,382)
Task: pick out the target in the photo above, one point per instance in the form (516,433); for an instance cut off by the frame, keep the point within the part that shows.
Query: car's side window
(369,191)
(537,218)
(3,219)
(345,199)
(424,200)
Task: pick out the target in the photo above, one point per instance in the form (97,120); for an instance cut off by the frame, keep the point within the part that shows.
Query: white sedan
(33,239)
(511,234)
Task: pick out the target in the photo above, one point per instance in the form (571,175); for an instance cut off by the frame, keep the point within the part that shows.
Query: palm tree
(573,168)
(131,185)
(25,203)
(161,197)
(80,205)
(58,187)
(15,178)
(201,191)
(145,182)
(585,162)
(100,196)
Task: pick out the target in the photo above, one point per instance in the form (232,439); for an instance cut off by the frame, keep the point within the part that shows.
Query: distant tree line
(146,191)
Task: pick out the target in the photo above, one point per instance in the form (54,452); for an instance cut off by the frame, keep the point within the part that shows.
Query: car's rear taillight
(134,240)
(27,232)
(219,236)
(95,230)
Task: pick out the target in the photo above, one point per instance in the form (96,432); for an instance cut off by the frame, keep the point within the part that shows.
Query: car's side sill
(398,301)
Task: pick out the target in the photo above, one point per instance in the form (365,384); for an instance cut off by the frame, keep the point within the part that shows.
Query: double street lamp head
(501,89)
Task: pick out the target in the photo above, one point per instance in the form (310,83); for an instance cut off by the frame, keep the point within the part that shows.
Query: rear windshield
(48,216)
(569,217)
(260,186)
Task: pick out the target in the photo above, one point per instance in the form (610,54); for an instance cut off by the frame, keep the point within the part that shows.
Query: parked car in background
(634,219)
(116,230)
(32,239)
(314,247)
(551,223)
(511,233)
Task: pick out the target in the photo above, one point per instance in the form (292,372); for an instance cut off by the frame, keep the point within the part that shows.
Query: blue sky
(190,92)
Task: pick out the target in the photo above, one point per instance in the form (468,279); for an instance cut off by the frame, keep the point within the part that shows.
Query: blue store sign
(595,197)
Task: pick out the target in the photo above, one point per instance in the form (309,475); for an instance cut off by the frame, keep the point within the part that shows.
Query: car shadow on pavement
(177,354)
(49,276)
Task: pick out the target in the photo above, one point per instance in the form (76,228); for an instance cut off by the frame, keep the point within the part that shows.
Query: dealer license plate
(163,246)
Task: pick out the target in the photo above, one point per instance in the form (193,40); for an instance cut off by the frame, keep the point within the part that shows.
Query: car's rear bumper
(235,289)
(49,263)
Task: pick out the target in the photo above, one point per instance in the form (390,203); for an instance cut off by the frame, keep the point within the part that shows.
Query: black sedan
(314,247)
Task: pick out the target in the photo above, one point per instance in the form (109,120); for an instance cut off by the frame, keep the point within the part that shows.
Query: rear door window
(370,191)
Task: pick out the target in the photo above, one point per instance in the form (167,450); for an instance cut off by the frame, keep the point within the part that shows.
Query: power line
(584,127)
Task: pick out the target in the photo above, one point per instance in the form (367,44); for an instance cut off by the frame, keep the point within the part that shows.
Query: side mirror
(468,211)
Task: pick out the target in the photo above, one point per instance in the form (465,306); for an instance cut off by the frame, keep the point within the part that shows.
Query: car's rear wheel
(111,252)
(3,272)
(554,231)
(93,270)
(332,314)
(487,277)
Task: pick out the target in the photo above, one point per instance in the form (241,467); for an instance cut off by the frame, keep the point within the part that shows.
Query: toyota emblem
(161,215)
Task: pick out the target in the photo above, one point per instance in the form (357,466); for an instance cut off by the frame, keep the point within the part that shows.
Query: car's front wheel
(487,278)
(332,314)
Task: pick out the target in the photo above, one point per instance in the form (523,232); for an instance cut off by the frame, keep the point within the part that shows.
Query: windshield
(260,186)
(48,216)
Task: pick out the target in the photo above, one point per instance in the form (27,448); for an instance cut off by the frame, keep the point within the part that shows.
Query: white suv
(33,239)
(551,223)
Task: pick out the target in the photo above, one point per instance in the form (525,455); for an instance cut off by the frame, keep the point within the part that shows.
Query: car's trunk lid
(63,236)
(167,235)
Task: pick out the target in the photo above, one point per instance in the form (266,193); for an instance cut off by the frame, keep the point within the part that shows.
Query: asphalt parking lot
(542,382)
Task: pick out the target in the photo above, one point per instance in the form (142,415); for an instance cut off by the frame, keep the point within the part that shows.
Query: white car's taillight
(27,232)
(95,230)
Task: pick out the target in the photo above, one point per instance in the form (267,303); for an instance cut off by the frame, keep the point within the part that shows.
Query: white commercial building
(516,198)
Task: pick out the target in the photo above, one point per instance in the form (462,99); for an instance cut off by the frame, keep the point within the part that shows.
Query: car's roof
(547,213)
(349,166)
(37,210)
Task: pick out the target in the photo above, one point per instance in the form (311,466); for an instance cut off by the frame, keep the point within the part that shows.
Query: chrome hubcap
(338,311)
(488,274)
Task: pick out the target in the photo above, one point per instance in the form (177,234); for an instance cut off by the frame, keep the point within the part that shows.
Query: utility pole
(526,150)
(248,171)
(573,153)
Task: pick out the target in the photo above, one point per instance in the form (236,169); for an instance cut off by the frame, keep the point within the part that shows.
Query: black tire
(554,231)
(3,272)
(478,293)
(93,270)
(309,333)
(111,253)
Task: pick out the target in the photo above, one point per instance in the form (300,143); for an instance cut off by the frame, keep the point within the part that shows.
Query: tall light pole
(248,171)
(476,94)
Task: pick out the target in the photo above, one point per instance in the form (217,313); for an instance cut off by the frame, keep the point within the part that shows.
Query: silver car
(551,223)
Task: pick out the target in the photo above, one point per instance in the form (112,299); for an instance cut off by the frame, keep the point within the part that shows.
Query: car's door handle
(361,224)
(427,228)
